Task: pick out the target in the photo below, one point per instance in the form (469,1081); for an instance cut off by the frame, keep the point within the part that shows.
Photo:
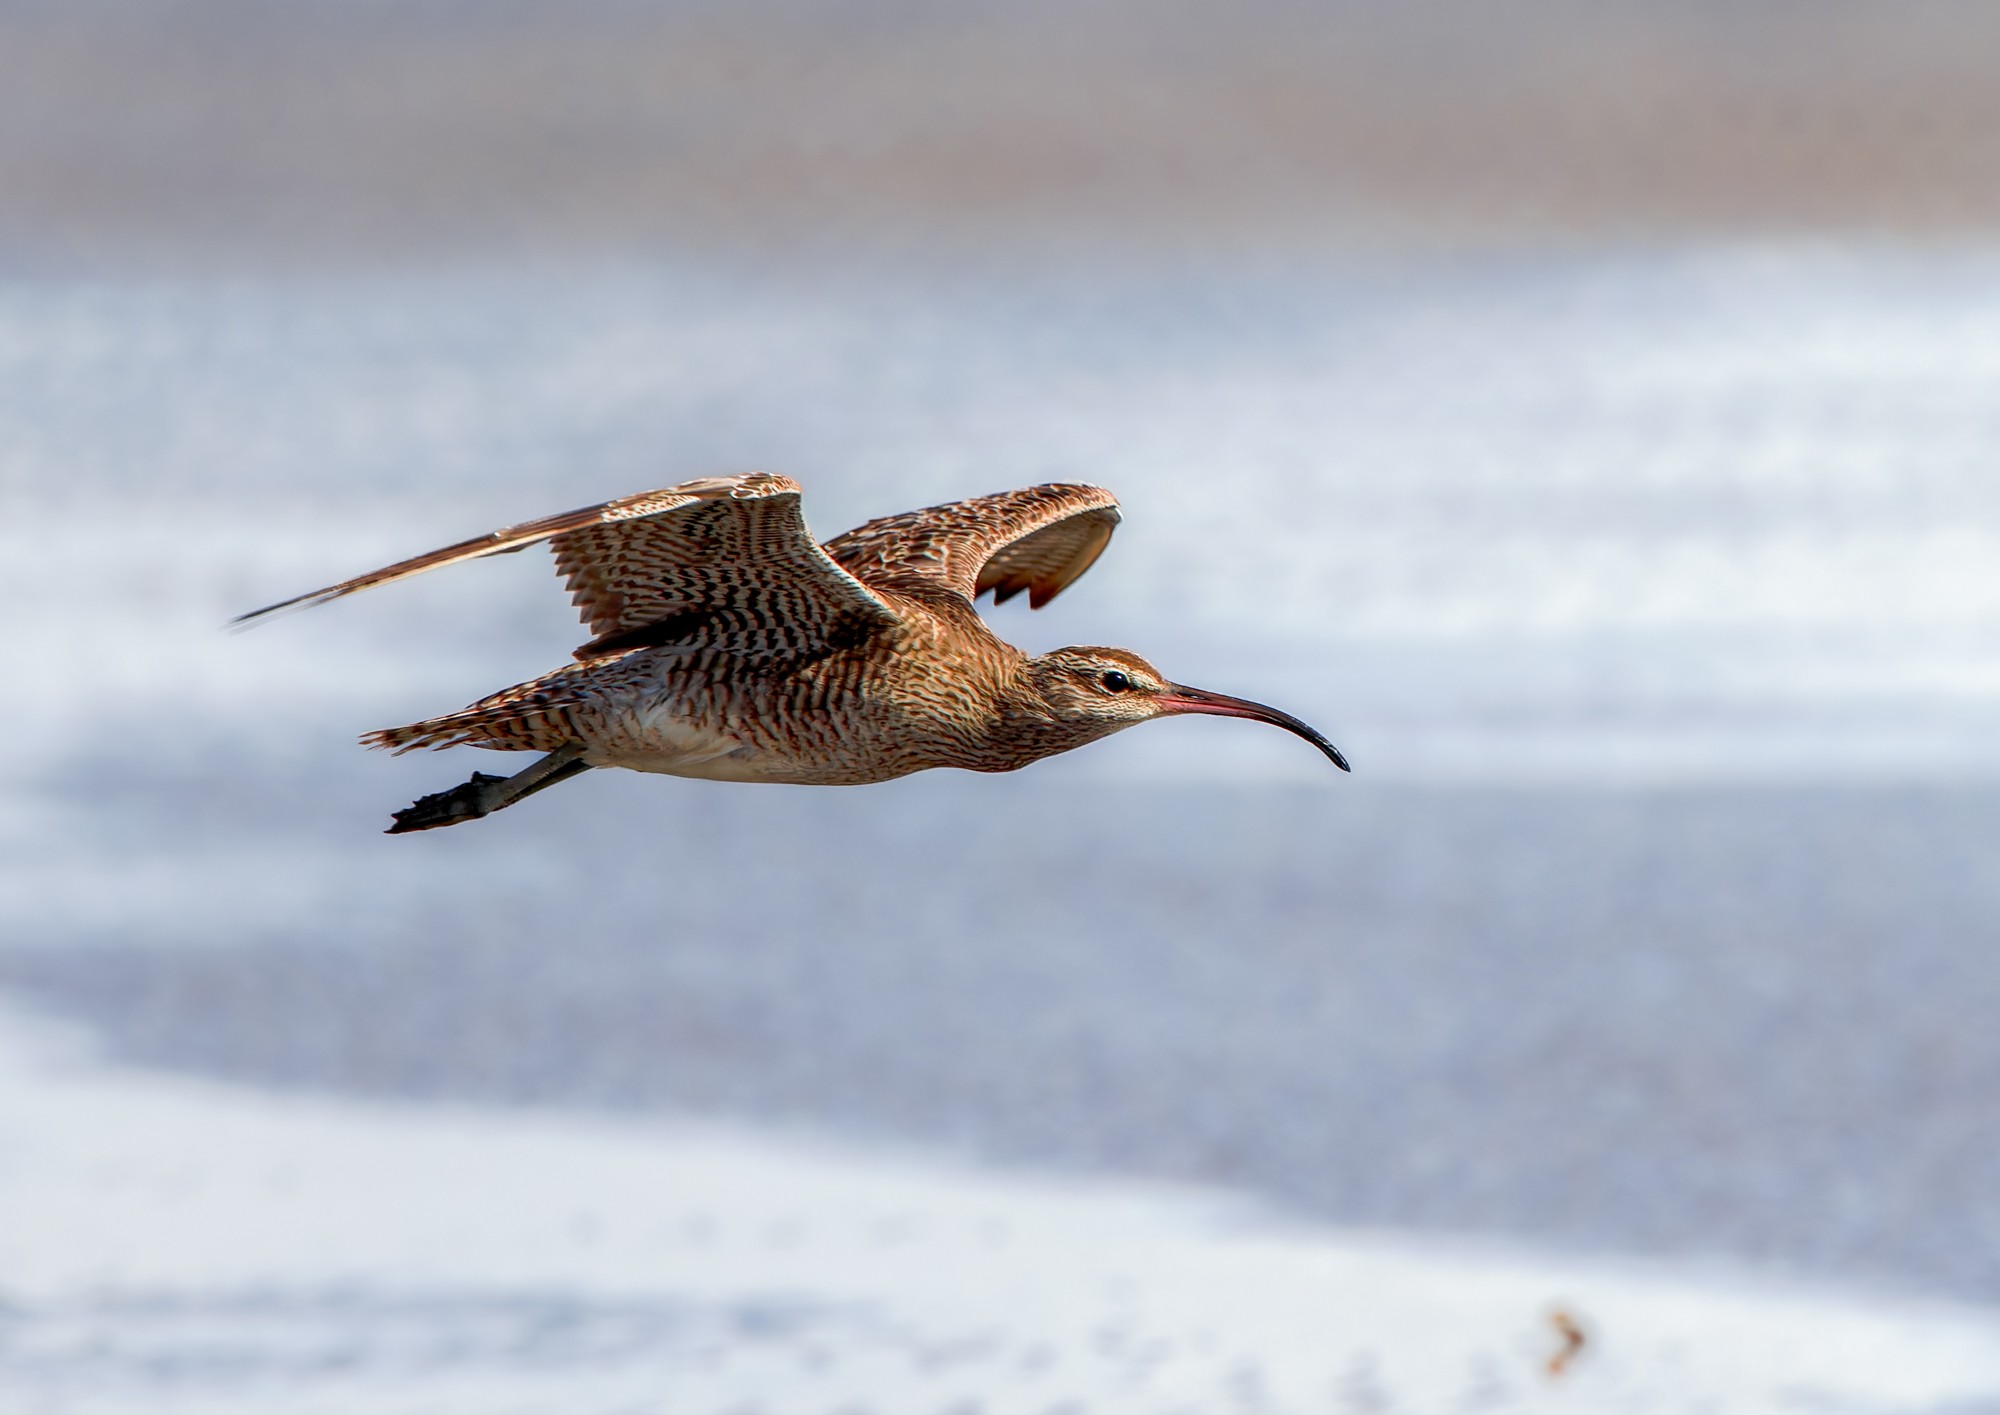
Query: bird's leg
(484,794)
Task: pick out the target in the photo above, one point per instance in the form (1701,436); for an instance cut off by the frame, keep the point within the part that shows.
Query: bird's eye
(1116,682)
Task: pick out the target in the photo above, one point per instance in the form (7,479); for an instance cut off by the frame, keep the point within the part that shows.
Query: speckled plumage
(728,644)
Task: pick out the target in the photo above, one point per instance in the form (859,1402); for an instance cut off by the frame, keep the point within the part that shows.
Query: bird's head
(1087,693)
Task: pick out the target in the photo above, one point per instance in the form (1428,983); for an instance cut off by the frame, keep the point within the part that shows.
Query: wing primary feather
(677,567)
(501,542)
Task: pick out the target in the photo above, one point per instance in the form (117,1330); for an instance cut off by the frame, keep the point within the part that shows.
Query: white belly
(670,746)
(674,749)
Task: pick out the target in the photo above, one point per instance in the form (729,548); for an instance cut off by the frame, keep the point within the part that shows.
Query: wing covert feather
(1038,539)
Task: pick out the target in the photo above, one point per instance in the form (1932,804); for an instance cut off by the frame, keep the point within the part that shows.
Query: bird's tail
(529,717)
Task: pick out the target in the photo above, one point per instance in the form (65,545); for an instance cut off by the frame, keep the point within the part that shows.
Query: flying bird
(729,644)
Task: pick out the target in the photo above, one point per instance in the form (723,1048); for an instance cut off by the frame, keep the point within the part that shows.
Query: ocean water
(1695,515)
(1653,597)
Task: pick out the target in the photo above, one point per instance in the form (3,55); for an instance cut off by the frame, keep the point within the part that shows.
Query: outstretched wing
(1038,539)
(725,561)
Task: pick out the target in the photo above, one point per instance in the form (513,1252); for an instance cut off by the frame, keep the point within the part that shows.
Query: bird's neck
(1025,727)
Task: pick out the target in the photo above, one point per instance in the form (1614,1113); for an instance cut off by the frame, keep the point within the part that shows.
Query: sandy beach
(181,1246)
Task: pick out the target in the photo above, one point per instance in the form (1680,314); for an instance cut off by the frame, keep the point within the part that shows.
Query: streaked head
(1094,692)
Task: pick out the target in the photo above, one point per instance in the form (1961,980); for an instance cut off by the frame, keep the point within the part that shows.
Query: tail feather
(436,734)
(516,732)
(530,717)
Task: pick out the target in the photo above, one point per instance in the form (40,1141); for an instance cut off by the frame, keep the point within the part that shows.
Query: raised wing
(1038,539)
(723,561)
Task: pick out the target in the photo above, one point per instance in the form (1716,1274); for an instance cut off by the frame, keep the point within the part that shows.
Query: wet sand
(1743,1023)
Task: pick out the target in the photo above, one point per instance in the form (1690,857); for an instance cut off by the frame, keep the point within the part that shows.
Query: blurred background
(1584,413)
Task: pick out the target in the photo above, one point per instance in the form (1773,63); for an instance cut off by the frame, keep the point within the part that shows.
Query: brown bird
(729,644)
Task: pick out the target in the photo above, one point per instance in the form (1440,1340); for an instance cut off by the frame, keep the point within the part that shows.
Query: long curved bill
(1180,698)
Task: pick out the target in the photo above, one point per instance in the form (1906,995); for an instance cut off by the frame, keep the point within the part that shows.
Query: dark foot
(466,802)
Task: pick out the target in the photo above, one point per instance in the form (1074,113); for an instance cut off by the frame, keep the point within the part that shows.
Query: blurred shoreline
(231,133)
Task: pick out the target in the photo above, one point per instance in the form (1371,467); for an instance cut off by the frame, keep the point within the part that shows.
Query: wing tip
(1101,498)
(750,486)
(269,612)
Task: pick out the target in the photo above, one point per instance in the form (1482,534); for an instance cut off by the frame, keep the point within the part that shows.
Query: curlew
(729,644)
